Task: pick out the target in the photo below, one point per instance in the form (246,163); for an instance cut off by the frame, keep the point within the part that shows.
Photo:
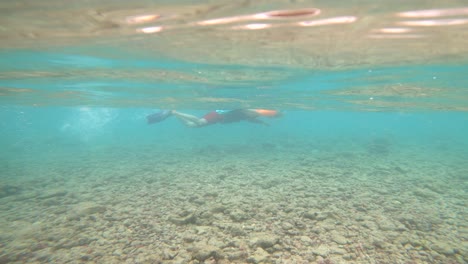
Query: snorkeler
(214,117)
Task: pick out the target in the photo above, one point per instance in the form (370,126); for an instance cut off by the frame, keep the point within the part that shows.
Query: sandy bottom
(229,205)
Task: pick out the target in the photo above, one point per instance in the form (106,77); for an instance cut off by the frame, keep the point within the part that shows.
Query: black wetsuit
(237,115)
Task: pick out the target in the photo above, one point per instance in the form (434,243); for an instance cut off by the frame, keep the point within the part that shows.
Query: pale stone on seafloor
(259,256)
(321,250)
(339,239)
(263,240)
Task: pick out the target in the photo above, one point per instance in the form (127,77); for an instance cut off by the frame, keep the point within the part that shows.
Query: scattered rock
(238,215)
(126,236)
(42,257)
(236,231)
(287,226)
(443,248)
(306,240)
(190,239)
(77,242)
(8,190)
(206,252)
(117,252)
(322,216)
(211,194)
(53,202)
(202,230)
(338,251)
(386,225)
(425,193)
(339,239)
(218,209)
(349,256)
(25,230)
(190,219)
(237,255)
(53,193)
(328,225)
(360,208)
(314,215)
(88,208)
(169,254)
(259,256)
(378,243)
(4,259)
(263,240)
(321,250)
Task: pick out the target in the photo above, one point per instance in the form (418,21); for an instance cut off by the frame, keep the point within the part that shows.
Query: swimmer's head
(268,112)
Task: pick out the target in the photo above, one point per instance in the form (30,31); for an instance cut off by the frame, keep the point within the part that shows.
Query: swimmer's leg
(189,120)
(158,117)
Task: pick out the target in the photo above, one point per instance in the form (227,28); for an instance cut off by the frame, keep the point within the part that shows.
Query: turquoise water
(367,164)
